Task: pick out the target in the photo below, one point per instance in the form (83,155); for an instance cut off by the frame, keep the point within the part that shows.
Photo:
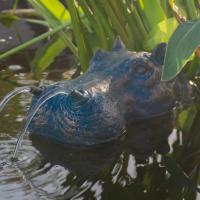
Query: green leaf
(46,55)
(52,10)
(180,48)
(160,33)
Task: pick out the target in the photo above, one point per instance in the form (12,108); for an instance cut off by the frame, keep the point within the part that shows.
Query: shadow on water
(129,168)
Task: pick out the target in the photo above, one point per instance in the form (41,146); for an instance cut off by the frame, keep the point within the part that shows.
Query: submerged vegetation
(83,26)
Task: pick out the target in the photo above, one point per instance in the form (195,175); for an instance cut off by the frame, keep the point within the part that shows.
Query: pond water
(125,169)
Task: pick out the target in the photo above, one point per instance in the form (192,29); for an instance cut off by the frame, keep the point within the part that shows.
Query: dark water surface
(125,169)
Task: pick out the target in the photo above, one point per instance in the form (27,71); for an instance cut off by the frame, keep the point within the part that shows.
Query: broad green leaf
(180,48)
(160,33)
(46,55)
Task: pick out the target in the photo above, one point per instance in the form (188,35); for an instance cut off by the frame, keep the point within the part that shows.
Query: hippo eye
(142,71)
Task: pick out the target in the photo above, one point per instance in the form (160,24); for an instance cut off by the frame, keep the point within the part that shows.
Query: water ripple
(29,177)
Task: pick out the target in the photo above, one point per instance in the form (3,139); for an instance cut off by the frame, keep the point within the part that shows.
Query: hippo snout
(78,117)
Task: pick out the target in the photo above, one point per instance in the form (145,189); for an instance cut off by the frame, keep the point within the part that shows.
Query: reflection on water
(29,177)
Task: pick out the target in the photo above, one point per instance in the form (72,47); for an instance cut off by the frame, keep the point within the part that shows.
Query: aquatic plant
(96,24)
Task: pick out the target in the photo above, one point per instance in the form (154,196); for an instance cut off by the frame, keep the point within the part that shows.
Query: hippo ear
(97,59)
(118,45)
(158,53)
(99,55)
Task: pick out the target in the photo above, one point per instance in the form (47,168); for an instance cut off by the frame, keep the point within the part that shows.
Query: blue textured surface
(119,87)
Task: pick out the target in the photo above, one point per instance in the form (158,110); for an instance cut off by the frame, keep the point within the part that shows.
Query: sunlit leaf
(181,46)
(55,13)
(160,33)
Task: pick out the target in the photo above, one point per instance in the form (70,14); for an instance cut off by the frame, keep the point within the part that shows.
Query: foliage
(96,24)
(181,46)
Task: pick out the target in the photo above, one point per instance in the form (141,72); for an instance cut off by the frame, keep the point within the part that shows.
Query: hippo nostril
(37,91)
(79,96)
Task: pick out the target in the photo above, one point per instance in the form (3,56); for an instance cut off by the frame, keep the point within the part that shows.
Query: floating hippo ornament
(119,87)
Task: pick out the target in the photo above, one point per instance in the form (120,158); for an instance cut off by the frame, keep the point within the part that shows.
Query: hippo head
(120,86)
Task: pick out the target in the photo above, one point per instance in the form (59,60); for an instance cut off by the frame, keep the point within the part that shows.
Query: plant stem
(28,12)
